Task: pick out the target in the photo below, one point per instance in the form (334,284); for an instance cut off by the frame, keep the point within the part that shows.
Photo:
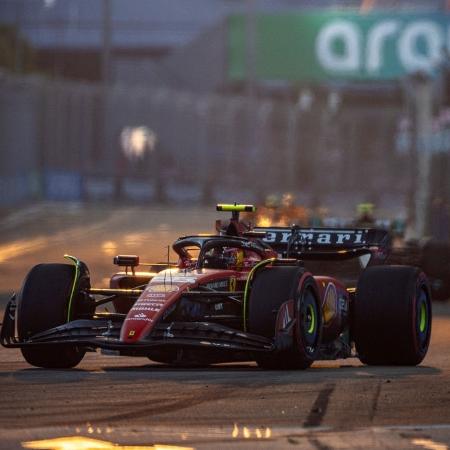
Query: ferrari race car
(281,296)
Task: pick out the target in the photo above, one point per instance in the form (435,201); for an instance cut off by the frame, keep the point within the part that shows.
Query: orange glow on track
(21,247)
(85,443)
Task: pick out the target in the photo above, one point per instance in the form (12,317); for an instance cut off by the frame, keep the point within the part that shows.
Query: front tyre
(272,287)
(392,316)
(42,303)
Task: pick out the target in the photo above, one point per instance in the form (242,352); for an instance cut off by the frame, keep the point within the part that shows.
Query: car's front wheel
(42,303)
(271,288)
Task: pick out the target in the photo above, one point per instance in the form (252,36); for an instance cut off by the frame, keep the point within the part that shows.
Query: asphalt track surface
(125,403)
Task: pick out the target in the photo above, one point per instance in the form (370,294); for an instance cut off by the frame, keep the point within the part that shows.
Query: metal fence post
(292,147)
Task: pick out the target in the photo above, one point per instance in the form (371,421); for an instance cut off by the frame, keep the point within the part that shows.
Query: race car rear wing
(305,240)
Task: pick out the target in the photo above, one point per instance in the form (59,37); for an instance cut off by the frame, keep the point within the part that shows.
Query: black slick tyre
(392,316)
(42,304)
(273,286)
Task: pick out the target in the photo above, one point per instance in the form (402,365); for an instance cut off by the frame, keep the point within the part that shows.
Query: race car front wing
(103,332)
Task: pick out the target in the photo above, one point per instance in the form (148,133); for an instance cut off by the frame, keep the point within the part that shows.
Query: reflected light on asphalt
(85,443)
(21,247)
(136,239)
(109,248)
(248,432)
(429,444)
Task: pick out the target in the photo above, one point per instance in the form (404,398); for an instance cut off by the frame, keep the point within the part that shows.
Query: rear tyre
(392,316)
(42,304)
(272,287)
(435,262)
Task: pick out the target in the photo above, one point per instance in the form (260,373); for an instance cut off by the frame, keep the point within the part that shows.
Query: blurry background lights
(49,3)
(137,141)
(305,100)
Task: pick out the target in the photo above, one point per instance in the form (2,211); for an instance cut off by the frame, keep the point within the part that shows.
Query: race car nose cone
(134,327)
(152,303)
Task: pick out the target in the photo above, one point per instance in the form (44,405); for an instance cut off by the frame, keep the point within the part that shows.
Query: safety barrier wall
(61,140)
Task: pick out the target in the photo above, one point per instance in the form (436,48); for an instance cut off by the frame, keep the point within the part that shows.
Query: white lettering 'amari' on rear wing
(280,238)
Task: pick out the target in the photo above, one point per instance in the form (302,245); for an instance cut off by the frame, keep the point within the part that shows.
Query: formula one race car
(283,297)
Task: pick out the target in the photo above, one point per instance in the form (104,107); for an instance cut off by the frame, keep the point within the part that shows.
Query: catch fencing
(64,140)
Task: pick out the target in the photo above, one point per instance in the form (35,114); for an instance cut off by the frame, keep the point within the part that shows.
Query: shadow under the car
(221,374)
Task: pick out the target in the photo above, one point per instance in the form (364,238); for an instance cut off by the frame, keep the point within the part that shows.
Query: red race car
(283,297)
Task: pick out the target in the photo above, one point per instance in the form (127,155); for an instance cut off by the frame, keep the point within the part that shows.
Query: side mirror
(126,261)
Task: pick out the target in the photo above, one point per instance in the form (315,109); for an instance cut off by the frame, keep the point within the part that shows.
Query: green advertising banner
(321,46)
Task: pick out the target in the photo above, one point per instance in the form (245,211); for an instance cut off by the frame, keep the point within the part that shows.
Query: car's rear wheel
(392,316)
(271,288)
(42,303)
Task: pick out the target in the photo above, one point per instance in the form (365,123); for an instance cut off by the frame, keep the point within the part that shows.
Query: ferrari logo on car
(232,284)
(131,333)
